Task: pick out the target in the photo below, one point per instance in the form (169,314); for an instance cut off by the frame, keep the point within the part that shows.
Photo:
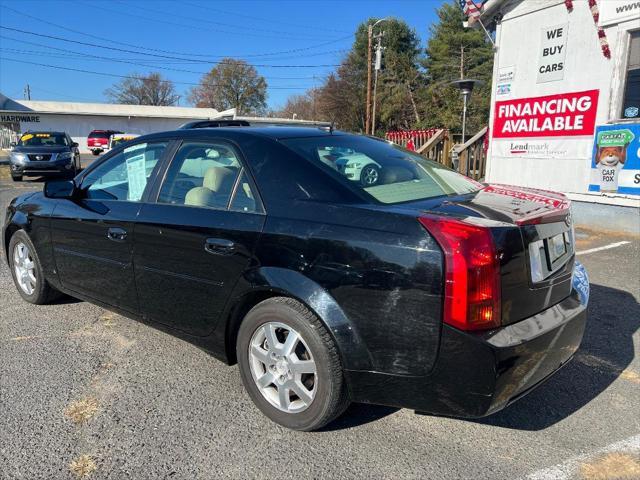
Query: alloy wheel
(24,267)
(283,367)
(370,175)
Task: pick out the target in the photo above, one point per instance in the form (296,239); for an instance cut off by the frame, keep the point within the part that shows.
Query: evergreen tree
(442,102)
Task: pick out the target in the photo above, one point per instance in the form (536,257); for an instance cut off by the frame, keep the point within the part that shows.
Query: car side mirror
(60,189)
(74,144)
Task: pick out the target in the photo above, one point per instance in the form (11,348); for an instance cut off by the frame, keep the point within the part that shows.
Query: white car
(359,168)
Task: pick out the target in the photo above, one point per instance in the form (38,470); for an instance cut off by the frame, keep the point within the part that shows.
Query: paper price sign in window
(137,177)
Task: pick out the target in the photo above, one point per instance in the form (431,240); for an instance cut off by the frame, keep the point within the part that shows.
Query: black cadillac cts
(331,267)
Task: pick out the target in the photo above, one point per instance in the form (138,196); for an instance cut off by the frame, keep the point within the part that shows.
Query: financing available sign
(561,115)
(615,166)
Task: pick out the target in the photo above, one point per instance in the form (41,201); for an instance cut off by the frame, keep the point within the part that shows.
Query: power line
(84,55)
(235,14)
(182,25)
(147,9)
(104,74)
(249,55)
(53,37)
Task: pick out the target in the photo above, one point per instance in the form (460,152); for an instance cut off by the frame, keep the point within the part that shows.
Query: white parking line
(605,247)
(570,468)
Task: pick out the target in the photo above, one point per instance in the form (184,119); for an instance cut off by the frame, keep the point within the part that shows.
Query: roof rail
(214,123)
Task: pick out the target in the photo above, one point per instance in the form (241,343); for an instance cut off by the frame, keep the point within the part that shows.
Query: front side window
(202,174)
(124,176)
(43,140)
(631,100)
(385,171)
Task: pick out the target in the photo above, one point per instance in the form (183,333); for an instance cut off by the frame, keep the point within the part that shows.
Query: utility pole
(367,122)
(27,92)
(375,82)
(461,62)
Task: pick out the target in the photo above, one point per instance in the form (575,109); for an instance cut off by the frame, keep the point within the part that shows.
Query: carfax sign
(615,165)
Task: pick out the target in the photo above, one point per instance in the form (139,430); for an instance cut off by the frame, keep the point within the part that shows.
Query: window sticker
(136,172)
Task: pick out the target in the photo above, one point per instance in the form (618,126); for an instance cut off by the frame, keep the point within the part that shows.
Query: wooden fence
(437,144)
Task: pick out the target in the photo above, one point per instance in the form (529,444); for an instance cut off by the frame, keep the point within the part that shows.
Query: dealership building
(565,104)
(78,119)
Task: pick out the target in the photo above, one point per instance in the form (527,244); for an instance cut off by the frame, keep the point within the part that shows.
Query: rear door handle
(117,234)
(219,246)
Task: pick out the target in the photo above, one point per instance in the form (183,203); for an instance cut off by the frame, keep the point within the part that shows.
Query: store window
(631,100)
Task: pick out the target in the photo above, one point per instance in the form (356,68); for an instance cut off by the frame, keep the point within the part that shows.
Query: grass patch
(83,466)
(5,173)
(612,466)
(82,410)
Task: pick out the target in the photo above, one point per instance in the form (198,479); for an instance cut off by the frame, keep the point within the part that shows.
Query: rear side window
(382,170)
(124,176)
(201,175)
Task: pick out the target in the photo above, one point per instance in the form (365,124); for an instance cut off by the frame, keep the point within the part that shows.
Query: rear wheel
(290,365)
(27,271)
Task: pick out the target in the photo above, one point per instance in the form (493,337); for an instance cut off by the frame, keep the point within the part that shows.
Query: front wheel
(369,176)
(16,178)
(27,271)
(290,365)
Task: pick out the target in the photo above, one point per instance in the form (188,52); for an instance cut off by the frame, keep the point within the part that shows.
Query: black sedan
(424,290)
(44,154)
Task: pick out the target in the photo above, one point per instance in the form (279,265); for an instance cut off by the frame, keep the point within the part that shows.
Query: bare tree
(232,83)
(299,105)
(138,89)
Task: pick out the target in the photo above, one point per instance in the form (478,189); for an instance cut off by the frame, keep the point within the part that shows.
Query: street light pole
(465,85)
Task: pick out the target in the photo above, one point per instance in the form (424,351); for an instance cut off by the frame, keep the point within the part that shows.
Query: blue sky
(182,35)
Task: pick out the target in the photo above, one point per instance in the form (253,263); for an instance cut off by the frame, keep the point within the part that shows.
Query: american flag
(471,9)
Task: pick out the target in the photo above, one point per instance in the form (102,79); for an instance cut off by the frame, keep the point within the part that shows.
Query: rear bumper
(478,374)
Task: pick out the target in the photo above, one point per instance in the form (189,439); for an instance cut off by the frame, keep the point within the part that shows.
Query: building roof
(107,109)
(117,110)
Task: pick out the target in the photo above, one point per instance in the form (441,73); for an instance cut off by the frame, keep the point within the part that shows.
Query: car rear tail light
(472,273)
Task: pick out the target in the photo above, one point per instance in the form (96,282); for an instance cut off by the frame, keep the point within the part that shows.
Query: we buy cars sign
(565,114)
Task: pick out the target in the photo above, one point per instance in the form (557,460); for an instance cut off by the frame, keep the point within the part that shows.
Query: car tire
(315,399)
(41,292)
(16,178)
(369,176)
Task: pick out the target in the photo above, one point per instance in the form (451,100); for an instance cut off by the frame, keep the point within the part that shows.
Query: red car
(98,140)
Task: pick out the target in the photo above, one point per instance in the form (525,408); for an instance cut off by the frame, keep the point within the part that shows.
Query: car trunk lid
(533,237)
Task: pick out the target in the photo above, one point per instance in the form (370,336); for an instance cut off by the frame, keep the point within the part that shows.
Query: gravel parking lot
(86,391)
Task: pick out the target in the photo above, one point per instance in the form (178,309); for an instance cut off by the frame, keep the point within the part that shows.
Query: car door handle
(117,234)
(219,246)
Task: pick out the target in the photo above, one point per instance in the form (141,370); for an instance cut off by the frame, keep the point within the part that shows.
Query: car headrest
(199,197)
(215,177)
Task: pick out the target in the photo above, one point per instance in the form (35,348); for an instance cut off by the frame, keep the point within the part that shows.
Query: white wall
(79,126)
(585,68)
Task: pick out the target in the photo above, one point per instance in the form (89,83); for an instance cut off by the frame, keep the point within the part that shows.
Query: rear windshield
(99,135)
(388,173)
(43,139)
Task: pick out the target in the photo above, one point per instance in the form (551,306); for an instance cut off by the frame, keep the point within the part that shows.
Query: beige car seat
(215,189)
